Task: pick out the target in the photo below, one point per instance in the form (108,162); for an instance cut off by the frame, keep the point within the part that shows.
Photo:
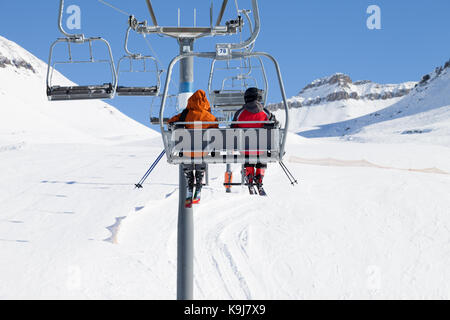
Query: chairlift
(146,63)
(226,144)
(95,91)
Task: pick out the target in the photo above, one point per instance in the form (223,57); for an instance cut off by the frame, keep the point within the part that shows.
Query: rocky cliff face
(424,115)
(340,87)
(428,78)
(16,63)
(337,99)
(14,57)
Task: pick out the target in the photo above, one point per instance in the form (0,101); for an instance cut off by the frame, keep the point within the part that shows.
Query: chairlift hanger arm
(222,12)
(256,30)
(72,37)
(152,12)
(250,24)
(128,52)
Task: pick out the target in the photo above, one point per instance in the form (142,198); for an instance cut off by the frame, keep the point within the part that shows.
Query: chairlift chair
(231,98)
(95,91)
(146,61)
(225,144)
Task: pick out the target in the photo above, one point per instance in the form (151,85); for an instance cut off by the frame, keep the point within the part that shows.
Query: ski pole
(294,181)
(147,174)
(287,175)
(290,176)
(289,172)
(139,185)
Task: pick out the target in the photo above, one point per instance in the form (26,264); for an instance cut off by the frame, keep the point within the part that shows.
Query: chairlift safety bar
(197,123)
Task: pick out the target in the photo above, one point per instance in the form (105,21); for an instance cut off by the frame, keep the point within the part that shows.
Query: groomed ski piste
(370,218)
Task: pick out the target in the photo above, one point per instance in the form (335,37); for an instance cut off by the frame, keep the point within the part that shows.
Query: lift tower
(186,37)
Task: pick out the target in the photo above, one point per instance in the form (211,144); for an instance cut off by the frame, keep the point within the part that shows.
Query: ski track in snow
(330,162)
(223,260)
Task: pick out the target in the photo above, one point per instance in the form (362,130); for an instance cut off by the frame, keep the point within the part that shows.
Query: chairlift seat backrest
(229,100)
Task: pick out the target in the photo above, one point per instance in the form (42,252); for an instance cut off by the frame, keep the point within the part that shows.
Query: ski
(252,190)
(189,197)
(261,191)
(197,197)
(188,203)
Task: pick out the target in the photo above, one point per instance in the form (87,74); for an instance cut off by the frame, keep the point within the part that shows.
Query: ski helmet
(252,94)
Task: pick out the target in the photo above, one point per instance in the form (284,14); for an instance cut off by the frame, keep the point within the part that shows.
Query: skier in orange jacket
(197,110)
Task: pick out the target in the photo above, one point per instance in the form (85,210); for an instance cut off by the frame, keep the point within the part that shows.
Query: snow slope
(367,221)
(74,227)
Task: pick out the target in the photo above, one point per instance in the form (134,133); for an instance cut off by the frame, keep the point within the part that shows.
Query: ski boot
(198,186)
(259,182)
(249,177)
(189,189)
(228,180)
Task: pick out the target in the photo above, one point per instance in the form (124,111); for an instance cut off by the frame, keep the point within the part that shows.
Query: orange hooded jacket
(198,110)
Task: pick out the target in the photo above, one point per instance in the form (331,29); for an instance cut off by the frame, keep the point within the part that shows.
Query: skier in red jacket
(253,110)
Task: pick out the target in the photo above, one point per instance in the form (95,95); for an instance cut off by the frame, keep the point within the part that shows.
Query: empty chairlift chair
(94,91)
(148,65)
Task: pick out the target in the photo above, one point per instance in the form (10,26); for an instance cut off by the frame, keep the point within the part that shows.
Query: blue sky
(311,39)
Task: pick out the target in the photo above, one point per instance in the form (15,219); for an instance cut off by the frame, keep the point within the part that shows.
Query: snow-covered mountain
(422,115)
(27,116)
(337,98)
(340,87)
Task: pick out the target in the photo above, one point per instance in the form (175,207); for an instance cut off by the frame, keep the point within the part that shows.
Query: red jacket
(253,111)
